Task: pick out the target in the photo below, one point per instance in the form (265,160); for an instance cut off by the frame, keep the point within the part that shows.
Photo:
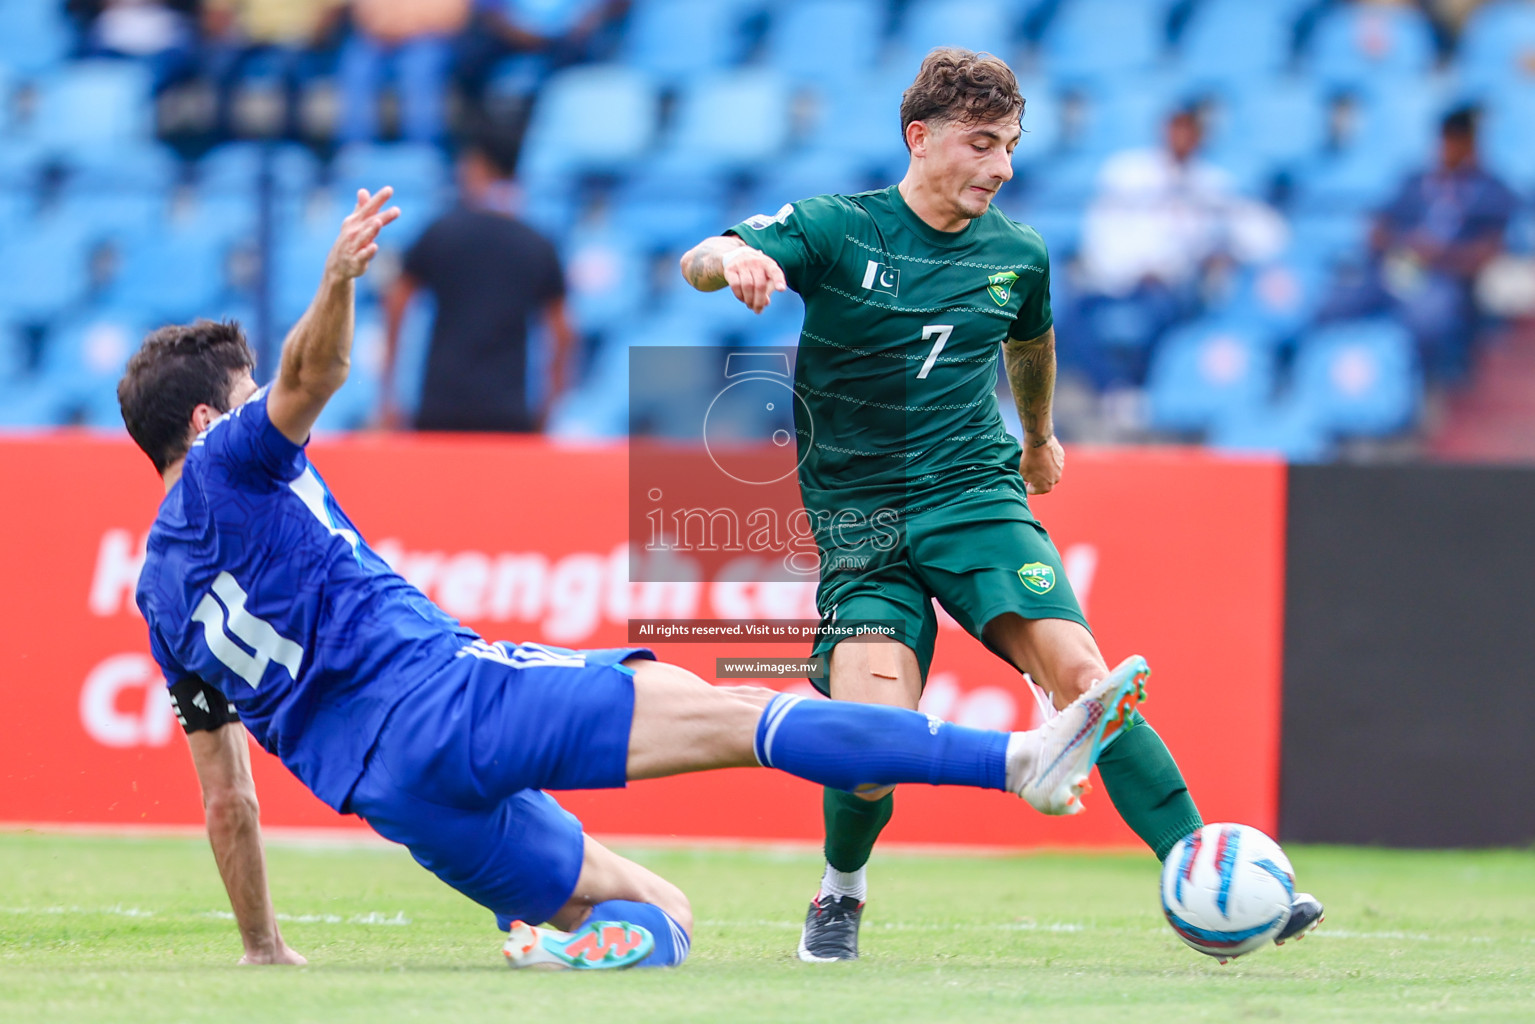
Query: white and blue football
(1227,889)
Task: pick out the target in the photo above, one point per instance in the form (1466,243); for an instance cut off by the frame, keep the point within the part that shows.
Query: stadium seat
(34,35)
(1358,45)
(1357,180)
(1203,369)
(1507,127)
(411,167)
(730,122)
(862,119)
(1279,297)
(44,269)
(674,39)
(1324,236)
(1286,428)
(808,174)
(1360,378)
(84,358)
(663,211)
(607,279)
(1279,121)
(826,41)
(31,403)
(981,25)
(1075,46)
(1399,123)
(593,118)
(176,274)
(1227,41)
(93,104)
(1495,46)
(236,167)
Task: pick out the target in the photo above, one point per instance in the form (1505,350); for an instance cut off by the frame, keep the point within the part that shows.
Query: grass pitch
(96,929)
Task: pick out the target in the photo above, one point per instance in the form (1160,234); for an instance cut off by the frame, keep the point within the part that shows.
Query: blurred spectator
(1162,220)
(159,31)
(1430,242)
(286,34)
(491,275)
(546,34)
(415,37)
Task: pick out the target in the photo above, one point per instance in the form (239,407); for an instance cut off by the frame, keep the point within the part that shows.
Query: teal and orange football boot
(595,946)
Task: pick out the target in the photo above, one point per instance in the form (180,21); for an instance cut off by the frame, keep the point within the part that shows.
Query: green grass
(95,929)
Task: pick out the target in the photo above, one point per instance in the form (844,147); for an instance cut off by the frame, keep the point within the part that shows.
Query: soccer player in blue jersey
(269,614)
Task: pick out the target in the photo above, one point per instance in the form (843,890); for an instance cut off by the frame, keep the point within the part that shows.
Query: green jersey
(897,361)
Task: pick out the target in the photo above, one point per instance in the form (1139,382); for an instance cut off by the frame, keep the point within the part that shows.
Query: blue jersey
(255,581)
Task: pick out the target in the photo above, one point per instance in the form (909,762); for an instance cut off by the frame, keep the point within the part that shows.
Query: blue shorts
(458,772)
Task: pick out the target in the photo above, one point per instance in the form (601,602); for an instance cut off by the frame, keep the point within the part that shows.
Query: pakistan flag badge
(1038,577)
(1000,286)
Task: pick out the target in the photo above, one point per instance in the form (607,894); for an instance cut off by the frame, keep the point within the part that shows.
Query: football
(1227,889)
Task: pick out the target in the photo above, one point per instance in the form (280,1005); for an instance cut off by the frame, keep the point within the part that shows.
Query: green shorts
(980,556)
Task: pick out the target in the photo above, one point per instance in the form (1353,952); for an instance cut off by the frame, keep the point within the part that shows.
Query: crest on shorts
(1038,577)
(1000,286)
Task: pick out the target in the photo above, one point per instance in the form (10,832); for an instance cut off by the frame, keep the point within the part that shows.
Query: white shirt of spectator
(1154,217)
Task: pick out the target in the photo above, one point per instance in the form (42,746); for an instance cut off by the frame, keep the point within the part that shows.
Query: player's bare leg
(619,914)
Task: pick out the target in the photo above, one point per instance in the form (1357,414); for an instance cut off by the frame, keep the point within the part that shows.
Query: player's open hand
(753,276)
(1042,465)
(358,242)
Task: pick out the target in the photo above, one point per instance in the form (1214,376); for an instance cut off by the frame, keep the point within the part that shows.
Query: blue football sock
(846,746)
(672,943)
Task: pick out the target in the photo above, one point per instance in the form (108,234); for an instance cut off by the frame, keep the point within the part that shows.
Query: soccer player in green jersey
(915,488)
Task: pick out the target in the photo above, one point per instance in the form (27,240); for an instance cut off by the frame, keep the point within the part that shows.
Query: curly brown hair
(957,85)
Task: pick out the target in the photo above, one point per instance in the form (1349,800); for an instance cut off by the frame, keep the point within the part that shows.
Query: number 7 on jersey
(942,331)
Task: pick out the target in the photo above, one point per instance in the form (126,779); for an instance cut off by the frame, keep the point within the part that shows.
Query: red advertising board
(1176,555)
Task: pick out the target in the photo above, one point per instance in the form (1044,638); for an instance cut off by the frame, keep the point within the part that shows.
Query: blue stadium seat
(593,118)
(1286,428)
(1077,47)
(1358,45)
(863,119)
(732,121)
(1229,41)
(1507,127)
(826,41)
(32,403)
(176,274)
(1360,378)
(93,104)
(981,25)
(1203,369)
(1324,236)
(677,38)
(808,174)
(1279,121)
(85,356)
(411,167)
(44,270)
(300,248)
(236,167)
(140,164)
(714,313)
(607,278)
(1399,123)
(661,212)
(1498,37)
(1280,296)
(1130,113)
(1354,181)
(34,35)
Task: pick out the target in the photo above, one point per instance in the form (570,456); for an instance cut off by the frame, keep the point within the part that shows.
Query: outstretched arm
(753,276)
(1031,375)
(318,353)
(234,831)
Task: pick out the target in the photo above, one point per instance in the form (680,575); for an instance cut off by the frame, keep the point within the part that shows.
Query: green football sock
(1147,788)
(852,826)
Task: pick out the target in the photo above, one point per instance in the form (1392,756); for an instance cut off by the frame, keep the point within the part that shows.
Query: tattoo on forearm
(1031,375)
(704,266)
